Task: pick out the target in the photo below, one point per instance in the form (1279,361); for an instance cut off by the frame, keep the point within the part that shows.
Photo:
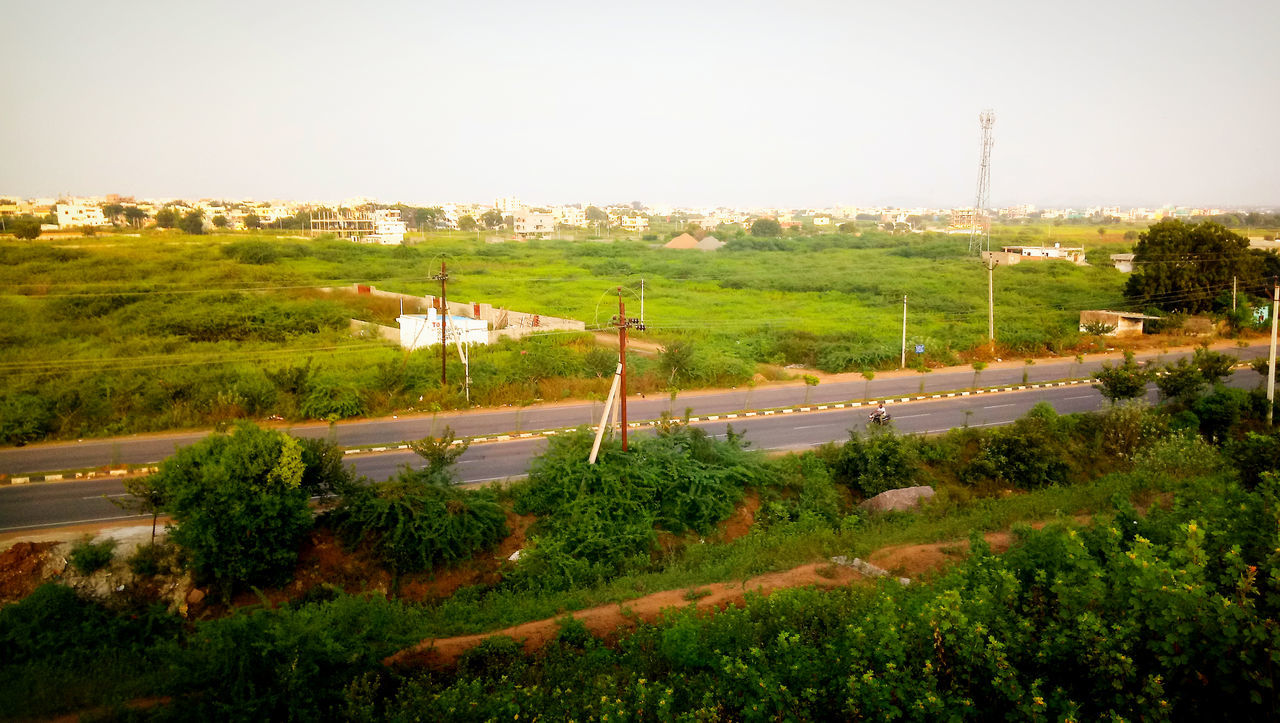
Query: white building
(635,224)
(418,331)
(74,215)
(534,223)
(388,228)
(569,216)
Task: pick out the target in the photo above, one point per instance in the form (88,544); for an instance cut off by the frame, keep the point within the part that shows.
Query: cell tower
(981,224)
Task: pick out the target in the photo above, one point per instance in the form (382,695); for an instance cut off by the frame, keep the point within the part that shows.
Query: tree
(1213,366)
(467,223)
(166,218)
(192,223)
(810,381)
(146,496)
(1182,267)
(134,215)
(847,227)
(978,366)
(491,218)
(238,505)
(1126,381)
(220,221)
(441,455)
(252,221)
(1181,381)
(766,227)
(25,227)
(427,217)
(595,215)
(113,211)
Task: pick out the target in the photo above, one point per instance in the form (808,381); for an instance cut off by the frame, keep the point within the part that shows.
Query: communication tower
(981,222)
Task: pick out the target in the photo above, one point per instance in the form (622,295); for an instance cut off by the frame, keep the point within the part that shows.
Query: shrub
(1024,455)
(593,519)
(87,556)
(148,560)
(413,526)
(876,461)
(239,505)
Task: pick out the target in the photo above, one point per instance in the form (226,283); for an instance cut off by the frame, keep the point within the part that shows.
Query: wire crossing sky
(687,103)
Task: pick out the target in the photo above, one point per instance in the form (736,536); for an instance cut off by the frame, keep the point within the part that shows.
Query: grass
(781,547)
(119,333)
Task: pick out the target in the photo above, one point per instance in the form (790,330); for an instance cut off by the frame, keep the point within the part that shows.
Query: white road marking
(98,497)
(73,522)
(1080,396)
(816,426)
(997,406)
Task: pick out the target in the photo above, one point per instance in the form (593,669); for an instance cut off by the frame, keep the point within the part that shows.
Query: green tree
(491,218)
(847,227)
(467,223)
(134,215)
(166,218)
(978,366)
(595,215)
(113,212)
(1126,381)
(220,221)
(1214,366)
(146,496)
(1181,381)
(25,227)
(238,505)
(441,455)
(252,221)
(1182,267)
(766,227)
(192,223)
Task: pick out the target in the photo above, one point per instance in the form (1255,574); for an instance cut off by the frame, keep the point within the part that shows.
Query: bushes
(87,556)
(413,526)
(239,505)
(593,519)
(875,462)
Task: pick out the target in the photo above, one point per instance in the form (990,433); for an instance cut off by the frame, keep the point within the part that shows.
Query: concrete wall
(503,323)
(368,329)
(1123,326)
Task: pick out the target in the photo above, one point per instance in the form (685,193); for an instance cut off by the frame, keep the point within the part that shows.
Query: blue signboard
(919,348)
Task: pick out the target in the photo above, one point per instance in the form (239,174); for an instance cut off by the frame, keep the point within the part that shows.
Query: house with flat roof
(1121,322)
(1010,255)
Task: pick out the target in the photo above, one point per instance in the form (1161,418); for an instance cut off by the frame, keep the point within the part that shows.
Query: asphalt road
(64,503)
(147,449)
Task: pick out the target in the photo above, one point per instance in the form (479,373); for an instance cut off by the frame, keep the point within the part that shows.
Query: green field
(116,334)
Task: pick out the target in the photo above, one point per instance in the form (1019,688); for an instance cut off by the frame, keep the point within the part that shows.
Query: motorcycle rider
(880,414)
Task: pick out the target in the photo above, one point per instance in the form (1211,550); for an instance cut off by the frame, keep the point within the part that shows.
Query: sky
(736,103)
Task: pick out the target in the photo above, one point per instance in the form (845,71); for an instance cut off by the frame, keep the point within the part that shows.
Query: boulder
(901,499)
(195,597)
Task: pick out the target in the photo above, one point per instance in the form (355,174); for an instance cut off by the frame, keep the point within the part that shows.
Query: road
(65,503)
(148,449)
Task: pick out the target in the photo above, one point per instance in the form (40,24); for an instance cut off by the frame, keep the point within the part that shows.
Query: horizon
(718,105)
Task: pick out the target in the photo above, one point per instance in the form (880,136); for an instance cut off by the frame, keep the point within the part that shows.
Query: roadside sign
(919,348)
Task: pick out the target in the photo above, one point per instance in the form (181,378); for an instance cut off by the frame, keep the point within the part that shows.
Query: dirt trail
(901,560)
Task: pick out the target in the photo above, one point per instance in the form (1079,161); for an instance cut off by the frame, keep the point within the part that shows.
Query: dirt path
(901,560)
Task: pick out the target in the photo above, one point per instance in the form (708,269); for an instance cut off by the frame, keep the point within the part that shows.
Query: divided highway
(24,507)
(147,449)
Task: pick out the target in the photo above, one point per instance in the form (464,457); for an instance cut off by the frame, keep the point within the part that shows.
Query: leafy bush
(239,505)
(87,556)
(414,526)
(875,462)
(148,560)
(1025,455)
(593,519)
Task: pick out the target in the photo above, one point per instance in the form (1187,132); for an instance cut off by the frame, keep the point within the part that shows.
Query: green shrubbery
(595,519)
(87,556)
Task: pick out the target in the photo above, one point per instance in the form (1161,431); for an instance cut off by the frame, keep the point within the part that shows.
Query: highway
(148,449)
(33,506)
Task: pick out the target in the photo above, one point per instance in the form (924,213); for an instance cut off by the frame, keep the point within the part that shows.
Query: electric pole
(991,303)
(443,278)
(1271,369)
(903,365)
(1233,293)
(623,324)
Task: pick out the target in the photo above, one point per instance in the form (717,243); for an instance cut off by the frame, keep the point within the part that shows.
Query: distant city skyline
(818,104)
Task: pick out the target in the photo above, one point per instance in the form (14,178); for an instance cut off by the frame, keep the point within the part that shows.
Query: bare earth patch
(607,619)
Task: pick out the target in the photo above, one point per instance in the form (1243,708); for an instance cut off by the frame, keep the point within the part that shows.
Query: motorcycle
(878,417)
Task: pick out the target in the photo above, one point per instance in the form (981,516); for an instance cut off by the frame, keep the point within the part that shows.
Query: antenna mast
(985,120)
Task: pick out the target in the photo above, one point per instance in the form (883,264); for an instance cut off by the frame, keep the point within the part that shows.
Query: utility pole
(443,278)
(642,300)
(1233,293)
(991,303)
(1271,369)
(623,324)
(903,365)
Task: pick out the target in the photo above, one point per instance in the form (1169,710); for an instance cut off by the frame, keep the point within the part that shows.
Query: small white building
(1123,262)
(74,215)
(635,224)
(419,331)
(388,228)
(533,223)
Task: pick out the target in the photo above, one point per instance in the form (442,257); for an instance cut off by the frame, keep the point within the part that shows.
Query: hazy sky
(690,103)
